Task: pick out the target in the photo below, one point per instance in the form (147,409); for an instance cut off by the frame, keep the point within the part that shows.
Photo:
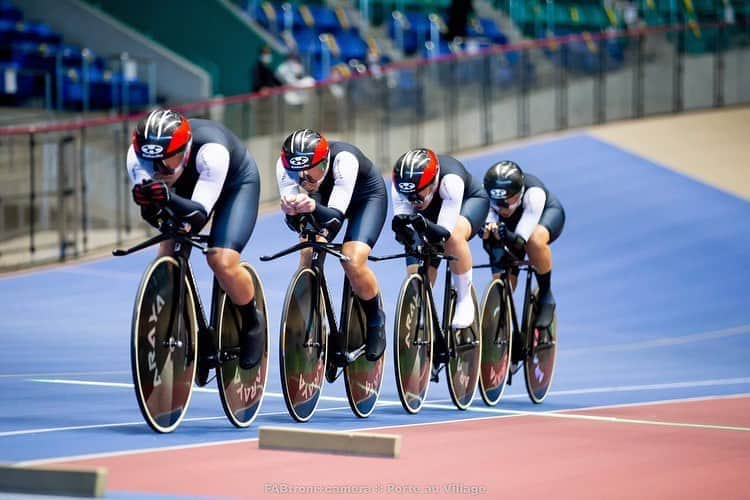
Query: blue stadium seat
(410,37)
(9,12)
(325,19)
(42,33)
(8,32)
(352,45)
(307,41)
(487,28)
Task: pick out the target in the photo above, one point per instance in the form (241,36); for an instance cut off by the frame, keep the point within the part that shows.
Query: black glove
(490,244)
(153,215)
(294,222)
(404,234)
(399,222)
(151,192)
(515,242)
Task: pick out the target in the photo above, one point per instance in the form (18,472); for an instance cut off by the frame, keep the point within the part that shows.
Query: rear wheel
(241,391)
(465,346)
(302,345)
(496,343)
(163,359)
(412,345)
(541,354)
(363,378)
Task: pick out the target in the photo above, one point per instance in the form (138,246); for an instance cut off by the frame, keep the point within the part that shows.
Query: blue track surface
(650,276)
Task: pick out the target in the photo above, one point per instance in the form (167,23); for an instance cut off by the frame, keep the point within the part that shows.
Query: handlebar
(170,230)
(422,251)
(309,230)
(331,248)
(515,262)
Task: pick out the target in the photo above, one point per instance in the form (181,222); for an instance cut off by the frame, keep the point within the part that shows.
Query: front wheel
(163,358)
(302,345)
(496,343)
(541,354)
(465,349)
(412,344)
(362,378)
(241,391)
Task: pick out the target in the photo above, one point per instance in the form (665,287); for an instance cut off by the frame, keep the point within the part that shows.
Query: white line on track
(432,404)
(66,374)
(644,387)
(196,389)
(664,341)
(595,418)
(570,392)
(382,427)
(140,422)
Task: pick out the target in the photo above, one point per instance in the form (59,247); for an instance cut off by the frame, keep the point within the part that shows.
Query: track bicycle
(505,342)
(423,345)
(307,351)
(171,337)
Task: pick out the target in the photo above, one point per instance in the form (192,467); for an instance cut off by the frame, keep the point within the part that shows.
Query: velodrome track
(651,280)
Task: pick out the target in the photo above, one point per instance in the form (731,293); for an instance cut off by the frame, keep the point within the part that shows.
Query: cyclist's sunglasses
(416,197)
(162,168)
(505,203)
(301,176)
(499,203)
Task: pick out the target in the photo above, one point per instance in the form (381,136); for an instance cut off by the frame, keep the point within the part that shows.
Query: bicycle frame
(526,266)
(182,246)
(440,327)
(443,354)
(319,251)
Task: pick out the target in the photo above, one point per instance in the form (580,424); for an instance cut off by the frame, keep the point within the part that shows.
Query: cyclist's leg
(234,221)
(365,224)
(549,228)
(469,223)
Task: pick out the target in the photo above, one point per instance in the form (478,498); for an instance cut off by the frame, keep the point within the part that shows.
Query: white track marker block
(350,443)
(53,481)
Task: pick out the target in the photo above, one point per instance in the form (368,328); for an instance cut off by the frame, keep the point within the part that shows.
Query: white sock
(462,283)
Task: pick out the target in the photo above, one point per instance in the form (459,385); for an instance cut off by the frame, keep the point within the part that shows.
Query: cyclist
(527,218)
(335,182)
(439,194)
(198,168)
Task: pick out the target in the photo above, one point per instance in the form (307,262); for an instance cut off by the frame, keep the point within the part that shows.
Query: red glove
(151,192)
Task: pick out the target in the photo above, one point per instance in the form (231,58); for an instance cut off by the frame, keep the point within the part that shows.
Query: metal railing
(65,191)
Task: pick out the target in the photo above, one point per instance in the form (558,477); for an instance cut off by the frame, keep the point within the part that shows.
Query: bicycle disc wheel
(241,391)
(302,366)
(412,342)
(496,343)
(463,368)
(539,363)
(163,360)
(363,378)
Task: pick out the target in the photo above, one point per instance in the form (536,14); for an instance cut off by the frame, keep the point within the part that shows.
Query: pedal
(435,374)
(332,372)
(351,357)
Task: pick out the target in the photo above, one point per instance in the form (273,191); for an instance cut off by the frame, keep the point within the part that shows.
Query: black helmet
(304,149)
(414,171)
(503,180)
(161,134)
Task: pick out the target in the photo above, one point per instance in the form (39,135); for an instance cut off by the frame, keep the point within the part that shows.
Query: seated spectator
(291,72)
(263,75)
